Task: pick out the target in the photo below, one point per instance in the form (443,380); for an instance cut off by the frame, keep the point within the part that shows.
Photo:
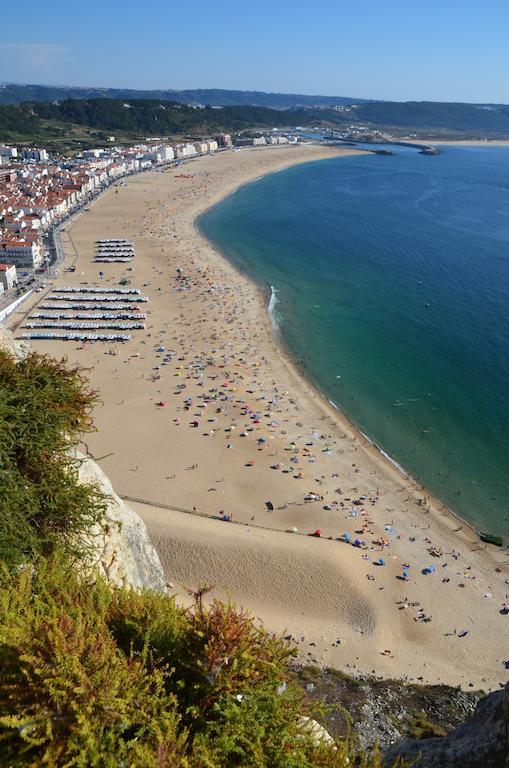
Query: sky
(452,50)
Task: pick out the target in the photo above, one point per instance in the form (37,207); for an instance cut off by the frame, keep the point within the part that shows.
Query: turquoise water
(392,280)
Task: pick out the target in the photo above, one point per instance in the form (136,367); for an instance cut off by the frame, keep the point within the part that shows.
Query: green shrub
(45,408)
(102,678)
(68,693)
(422,728)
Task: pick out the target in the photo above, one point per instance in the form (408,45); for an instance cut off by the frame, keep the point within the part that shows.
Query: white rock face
(19,349)
(319,734)
(122,551)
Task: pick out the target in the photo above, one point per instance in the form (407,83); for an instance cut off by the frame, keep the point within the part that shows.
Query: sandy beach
(203,411)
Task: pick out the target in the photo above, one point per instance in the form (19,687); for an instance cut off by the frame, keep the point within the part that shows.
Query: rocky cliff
(483,740)
(121,548)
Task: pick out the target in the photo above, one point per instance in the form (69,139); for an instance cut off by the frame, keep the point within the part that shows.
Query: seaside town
(38,192)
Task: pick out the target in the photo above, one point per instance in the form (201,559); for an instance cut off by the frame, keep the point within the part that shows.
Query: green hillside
(134,119)
(81,121)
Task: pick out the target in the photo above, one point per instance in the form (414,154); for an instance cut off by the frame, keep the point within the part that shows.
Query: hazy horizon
(225,88)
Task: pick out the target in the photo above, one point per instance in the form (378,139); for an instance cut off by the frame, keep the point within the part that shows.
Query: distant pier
(424,149)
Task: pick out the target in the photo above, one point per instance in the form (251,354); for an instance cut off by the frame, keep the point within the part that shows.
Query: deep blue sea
(392,281)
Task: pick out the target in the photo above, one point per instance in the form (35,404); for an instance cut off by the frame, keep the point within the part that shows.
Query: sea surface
(391,278)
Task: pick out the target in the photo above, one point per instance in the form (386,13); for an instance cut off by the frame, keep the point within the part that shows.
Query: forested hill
(136,118)
(214,97)
(435,114)
(139,118)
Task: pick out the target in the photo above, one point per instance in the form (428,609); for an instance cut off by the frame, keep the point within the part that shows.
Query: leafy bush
(95,677)
(68,694)
(45,407)
(422,728)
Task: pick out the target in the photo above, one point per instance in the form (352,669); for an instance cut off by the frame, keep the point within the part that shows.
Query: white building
(212,145)
(8,153)
(90,153)
(21,251)
(167,153)
(7,276)
(259,141)
(39,155)
(201,147)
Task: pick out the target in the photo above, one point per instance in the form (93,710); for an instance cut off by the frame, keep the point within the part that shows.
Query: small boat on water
(490,538)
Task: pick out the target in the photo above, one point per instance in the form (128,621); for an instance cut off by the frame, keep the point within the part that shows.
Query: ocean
(391,290)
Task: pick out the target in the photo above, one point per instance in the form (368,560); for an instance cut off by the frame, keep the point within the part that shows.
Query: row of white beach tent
(83,326)
(114,254)
(114,240)
(96,304)
(111,259)
(89,315)
(95,289)
(115,249)
(76,336)
(91,298)
(96,309)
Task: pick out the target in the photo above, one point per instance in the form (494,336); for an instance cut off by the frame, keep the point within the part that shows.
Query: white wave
(272,307)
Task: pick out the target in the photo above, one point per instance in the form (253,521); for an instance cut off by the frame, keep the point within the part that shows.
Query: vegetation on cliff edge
(45,407)
(99,678)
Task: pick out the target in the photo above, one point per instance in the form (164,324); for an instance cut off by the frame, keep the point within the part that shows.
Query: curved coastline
(319,590)
(266,297)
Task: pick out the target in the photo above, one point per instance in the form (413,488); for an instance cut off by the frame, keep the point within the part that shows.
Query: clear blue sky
(452,50)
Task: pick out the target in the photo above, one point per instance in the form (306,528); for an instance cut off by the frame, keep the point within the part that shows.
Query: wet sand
(242,434)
